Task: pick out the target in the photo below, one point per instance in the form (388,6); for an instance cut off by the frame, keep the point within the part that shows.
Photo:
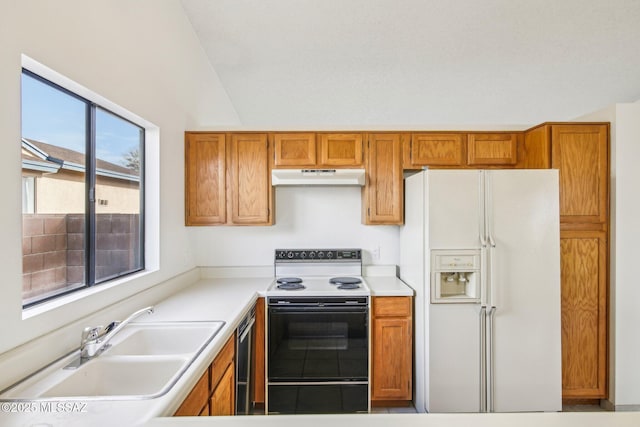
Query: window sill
(58,302)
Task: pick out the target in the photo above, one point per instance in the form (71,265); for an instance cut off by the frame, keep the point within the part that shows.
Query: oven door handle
(318,309)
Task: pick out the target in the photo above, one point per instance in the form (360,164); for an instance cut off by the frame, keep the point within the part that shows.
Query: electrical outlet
(375,253)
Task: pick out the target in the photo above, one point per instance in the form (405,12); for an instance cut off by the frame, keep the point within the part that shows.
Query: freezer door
(524,222)
(454,209)
(454,374)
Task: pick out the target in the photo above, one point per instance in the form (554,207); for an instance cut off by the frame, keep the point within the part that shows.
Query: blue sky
(52,116)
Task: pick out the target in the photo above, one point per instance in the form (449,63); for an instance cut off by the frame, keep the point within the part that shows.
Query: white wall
(624,390)
(142,55)
(306,217)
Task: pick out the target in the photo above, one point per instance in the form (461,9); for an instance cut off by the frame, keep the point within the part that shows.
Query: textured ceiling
(419,63)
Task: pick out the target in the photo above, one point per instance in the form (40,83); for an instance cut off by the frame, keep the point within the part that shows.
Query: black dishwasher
(244,339)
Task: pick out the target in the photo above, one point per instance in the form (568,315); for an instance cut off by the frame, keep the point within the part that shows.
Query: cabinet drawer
(222,360)
(391,306)
(196,400)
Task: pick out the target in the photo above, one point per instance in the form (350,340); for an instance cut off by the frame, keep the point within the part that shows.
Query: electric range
(317,333)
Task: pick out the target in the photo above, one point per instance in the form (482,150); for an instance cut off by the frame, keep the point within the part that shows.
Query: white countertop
(225,299)
(560,419)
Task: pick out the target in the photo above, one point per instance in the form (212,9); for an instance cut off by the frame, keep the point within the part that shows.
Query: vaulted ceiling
(420,63)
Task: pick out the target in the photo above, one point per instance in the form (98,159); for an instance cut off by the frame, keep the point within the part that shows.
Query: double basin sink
(143,361)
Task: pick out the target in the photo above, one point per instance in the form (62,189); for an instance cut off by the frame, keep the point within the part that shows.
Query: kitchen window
(82,192)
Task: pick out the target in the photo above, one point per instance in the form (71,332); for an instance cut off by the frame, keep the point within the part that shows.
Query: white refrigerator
(481,249)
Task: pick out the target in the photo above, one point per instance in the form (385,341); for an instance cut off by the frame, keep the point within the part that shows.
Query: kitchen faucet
(95,339)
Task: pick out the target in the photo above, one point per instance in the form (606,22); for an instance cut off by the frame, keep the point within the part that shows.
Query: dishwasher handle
(243,332)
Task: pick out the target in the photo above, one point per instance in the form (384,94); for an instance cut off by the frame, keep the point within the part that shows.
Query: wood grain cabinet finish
(584,313)
(392,350)
(294,149)
(492,149)
(250,180)
(535,150)
(435,149)
(223,396)
(580,152)
(383,191)
(197,400)
(341,149)
(205,179)
(228,179)
(214,393)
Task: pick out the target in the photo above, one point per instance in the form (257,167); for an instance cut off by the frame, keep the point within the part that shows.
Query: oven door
(318,359)
(318,344)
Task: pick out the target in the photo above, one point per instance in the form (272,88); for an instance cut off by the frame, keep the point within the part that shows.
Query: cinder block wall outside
(53,249)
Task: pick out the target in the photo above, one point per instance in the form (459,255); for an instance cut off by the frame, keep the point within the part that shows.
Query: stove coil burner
(290,286)
(345,281)
(290,283)
(348,286)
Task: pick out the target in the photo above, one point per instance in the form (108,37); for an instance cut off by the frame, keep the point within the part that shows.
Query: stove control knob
(320,254)
(312,254)
(282,254)
(290,254)
(330,254)
(303,255)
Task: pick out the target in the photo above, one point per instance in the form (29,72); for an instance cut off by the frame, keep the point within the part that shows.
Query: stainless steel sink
(143,362)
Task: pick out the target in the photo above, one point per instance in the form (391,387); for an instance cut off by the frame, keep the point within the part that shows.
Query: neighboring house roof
(40,156)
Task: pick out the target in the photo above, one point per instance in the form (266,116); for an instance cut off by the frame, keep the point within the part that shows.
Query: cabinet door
(205,179)
(223,397)
(250,185)
(487,149)
(294,149)
(383,191)
(392,347)
(436,149)
(341,149)
(580,152)
(535,151)
(583,257)
(197,399)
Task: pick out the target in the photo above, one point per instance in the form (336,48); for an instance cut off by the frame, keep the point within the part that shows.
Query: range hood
(317,177)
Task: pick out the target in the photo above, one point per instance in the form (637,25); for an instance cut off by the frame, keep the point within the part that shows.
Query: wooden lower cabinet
(223,396)
(583,266)
(392,350)
(196,401)
(214,393)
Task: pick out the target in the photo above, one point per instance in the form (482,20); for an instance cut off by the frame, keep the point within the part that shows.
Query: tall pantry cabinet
(581,154)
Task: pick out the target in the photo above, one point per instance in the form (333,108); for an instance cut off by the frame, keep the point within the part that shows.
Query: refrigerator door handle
(482,230)
(490,360)
(483,359)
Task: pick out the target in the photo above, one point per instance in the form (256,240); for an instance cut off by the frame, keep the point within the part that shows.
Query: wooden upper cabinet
(294,149)
(205,183)
(249,180)
(435,149)
(341,149)
(383,191)
(492,149)
(580,152)
(583,269)
(535,151)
